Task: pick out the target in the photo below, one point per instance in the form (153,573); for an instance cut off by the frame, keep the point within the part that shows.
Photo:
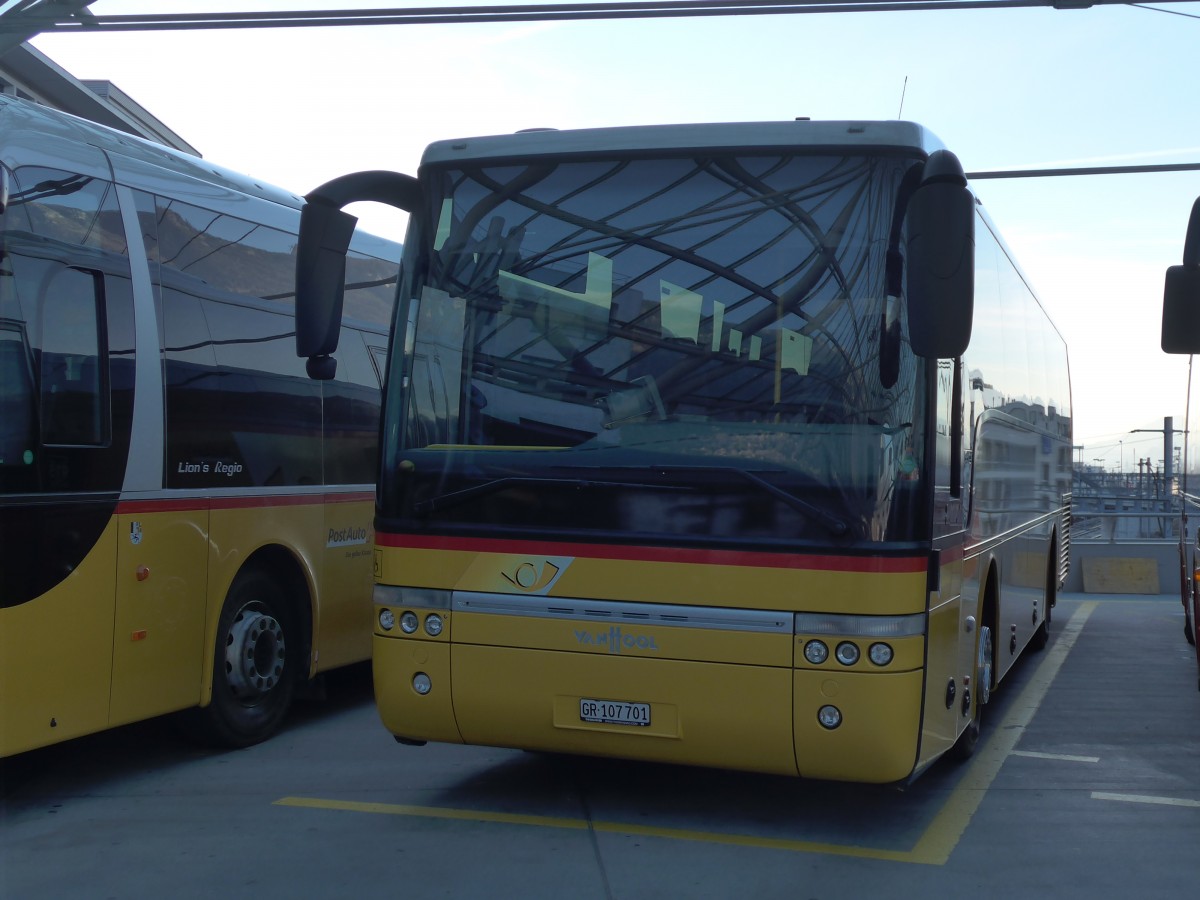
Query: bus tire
(1189,626)
(253,674)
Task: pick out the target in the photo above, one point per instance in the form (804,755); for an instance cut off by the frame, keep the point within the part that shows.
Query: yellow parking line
(944,833)
(434,812)
(679,834)
(933,848)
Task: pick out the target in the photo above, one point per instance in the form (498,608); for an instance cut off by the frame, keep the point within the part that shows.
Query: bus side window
(16,399)
(73,364)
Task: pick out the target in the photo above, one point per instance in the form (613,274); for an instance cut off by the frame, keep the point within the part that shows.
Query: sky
(1003,88)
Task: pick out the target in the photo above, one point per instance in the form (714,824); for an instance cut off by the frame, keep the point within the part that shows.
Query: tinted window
(225,253)
(73,209)
(370,289)
(66,302)
(241,410)
(73,399)
(16,400)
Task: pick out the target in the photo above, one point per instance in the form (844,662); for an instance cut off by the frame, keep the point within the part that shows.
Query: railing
(1126,544)
(1122,516)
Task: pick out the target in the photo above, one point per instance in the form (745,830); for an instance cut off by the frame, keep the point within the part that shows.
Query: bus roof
(728,136)
(31,124)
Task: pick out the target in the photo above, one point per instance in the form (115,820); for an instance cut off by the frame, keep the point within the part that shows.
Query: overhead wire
(42,16)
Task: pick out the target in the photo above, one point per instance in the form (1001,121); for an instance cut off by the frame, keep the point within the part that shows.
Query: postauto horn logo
(536,577)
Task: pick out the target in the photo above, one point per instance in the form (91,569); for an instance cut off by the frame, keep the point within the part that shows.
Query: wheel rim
(254,654)
(985,664)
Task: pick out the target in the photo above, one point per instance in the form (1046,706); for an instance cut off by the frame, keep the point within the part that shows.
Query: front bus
(672,459)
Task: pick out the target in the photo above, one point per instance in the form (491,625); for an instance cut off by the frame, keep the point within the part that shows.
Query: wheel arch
(1054,577)
(281,563)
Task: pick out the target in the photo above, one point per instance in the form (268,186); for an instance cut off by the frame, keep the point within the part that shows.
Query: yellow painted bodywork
(724,697)
(55,656)
(809,589)
(160,618)
(130,634)
(877,740)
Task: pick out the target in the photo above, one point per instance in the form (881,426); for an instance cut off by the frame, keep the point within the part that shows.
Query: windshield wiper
(831,522)
(453,498)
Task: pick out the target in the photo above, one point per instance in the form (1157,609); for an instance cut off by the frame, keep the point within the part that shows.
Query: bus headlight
(387,619)
(421,684)
(847,653)
(433,624)
(829,716)
(880,654)
(816,652)
(409,622)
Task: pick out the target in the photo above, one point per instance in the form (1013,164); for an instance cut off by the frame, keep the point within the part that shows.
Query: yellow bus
(185,516)
(1181,334)
(735,445)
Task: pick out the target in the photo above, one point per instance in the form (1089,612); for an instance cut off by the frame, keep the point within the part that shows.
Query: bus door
(65,334)
(161,585)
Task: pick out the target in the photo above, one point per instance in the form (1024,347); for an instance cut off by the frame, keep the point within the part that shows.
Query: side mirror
(940,260)
(1181,294)
(324,241)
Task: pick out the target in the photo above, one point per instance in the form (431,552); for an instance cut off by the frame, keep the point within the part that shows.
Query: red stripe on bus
(884,564)
(190,504)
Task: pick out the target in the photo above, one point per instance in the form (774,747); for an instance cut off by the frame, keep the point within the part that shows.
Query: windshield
(696,348)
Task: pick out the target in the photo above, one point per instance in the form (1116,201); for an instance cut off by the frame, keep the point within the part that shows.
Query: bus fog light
(816,652)
(880,654)
(433,625)
(387,619)
(847,653)
(421,684)
(829,716)
(409,622)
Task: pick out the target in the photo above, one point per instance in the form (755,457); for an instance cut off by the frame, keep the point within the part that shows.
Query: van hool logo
(346,537)
(535,577)
(615,639)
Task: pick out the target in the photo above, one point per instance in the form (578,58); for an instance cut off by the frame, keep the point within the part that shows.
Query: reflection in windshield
(718,318)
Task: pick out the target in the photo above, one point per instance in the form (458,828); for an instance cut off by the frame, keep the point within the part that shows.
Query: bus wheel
(253,678)
(968,741)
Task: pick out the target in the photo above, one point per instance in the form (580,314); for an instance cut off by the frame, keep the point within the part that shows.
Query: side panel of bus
(134,494)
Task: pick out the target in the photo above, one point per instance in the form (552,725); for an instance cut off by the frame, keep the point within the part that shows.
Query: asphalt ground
(1086,784)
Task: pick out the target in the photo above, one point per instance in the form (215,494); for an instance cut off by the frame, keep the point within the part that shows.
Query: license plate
(614,712)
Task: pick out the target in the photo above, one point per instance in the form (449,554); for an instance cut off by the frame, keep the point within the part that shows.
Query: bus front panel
(720,681)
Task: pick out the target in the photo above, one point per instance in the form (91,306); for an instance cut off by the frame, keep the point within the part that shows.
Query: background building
(24,72)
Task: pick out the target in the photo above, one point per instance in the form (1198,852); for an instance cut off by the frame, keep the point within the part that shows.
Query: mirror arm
(1191,243)
(321,250)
